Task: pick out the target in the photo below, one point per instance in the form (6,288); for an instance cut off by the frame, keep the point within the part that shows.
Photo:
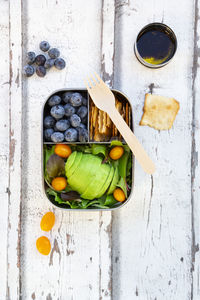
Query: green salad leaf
(122,185)
(99,149)
(123,164)
(55,166)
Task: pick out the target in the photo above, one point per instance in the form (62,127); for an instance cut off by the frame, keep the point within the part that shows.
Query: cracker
(159,112)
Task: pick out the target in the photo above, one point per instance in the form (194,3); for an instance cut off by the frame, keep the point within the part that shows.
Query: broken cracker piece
(159,112)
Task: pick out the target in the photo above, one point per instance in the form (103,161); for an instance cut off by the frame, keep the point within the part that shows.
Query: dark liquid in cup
(156,45)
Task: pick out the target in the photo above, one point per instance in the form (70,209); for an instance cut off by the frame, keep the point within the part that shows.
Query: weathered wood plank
(195,171)
(152,234)
(79,264)
(15,131)
(107,73)
(4,140)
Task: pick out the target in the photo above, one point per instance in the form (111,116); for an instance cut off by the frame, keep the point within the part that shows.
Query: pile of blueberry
(43,63)
(67,118)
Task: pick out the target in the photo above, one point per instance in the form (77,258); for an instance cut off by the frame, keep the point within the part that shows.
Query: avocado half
(84,173)
(70,170)
(96,183)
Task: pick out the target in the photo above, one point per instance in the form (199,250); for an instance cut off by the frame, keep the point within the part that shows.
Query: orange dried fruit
(116,152)
(119,195)
(43,245)
(59,183)
(48,221)
(63,150)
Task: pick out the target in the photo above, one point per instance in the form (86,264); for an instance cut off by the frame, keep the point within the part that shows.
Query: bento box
(86,164)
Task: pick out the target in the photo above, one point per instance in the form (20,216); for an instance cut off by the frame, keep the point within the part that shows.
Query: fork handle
(133,143)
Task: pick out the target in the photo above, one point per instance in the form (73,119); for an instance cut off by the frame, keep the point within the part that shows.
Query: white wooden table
(148,250)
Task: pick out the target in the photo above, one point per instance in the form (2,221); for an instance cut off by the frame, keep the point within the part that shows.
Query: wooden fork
(104,99)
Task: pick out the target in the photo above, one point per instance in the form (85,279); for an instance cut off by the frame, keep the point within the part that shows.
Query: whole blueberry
(66,96)
(57,112)
(57,137)
(82,126)
(71,135)
(49,122)
(82,112)
(62,125)
(59,63)
(84,101)
(47,134)
(40,71)
(69,110)
(76,99)
(82,135)
(54,100)
(75,120)
(44,46)
(30,58)
(49,63)
(40,60)
(84,120)
(29,70)
(54,53)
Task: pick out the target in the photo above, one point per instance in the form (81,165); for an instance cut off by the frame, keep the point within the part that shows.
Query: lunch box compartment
(46,111)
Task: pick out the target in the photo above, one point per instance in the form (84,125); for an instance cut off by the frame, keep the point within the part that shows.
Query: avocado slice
(84,173)
(113,182)
(96,183)
(107,183)
(72,169)
(70,161)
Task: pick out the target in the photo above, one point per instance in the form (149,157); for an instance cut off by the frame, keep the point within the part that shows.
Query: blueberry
(40,60)
(59,63)
(47,134)
(82,112)
(66,96)
(57,112)
(82,135)
(54,100)
(44,46)
(76,99)
(71,135)
(49,63)
(57,137)
(40,71)
(84,120)
(82,126)
(54,53)
(62,125)
(84,101)
(49,122)
(75,120)
(69,110)
(30,58)
(29,70)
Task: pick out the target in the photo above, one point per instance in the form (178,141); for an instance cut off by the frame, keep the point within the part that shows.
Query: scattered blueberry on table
(66,118)
(43,62)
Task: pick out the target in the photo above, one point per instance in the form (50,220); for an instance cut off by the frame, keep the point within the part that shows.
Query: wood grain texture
(4,140)
(15,131)
(79,266)
(152,234)
(148,250)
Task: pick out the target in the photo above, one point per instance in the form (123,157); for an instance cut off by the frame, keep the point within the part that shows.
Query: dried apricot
(43,245)
(48,221)
(63,150)
(116,152)
(59,183)
(119,195)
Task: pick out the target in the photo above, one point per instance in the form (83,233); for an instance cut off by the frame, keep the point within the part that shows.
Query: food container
(161,43)
(45,111)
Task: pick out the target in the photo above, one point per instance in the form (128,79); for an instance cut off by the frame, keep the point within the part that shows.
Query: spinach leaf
(122,185)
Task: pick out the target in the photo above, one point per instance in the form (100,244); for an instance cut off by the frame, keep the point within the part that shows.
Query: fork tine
(86,84)
(99,78)
(94,79)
